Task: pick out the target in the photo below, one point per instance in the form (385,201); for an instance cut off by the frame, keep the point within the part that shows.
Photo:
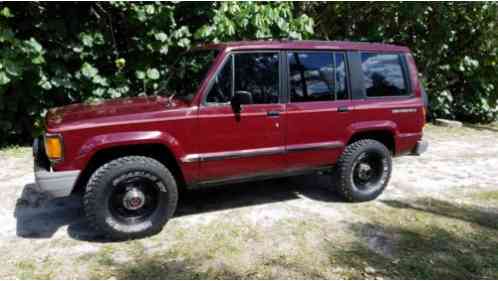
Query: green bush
(455,46)
(53,54)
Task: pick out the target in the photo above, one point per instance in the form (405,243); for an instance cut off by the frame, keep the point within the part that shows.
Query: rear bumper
(54,184)
(420,147)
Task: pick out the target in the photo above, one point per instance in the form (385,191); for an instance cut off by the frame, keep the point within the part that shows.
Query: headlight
(53,146)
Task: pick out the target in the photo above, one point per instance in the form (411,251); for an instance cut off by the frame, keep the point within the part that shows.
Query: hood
(82,112)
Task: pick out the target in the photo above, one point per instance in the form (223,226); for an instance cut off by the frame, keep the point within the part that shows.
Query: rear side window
(317,76)
(383,75)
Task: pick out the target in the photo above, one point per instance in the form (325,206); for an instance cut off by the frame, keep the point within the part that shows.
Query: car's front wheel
(130,197)
(363,170)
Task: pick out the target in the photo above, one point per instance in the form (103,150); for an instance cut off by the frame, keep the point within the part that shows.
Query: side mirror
(240,98)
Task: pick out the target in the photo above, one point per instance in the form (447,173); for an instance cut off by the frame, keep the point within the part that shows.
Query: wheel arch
(158,151)
(386,137)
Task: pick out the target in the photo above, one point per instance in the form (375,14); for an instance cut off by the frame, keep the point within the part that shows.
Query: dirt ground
(438,218)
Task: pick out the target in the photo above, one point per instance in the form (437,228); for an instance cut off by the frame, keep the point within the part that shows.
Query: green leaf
(149,9)
(184,42)
(87,40)
(140,74)
(78,49)
(6,35)
(141,15)
(98,38)
(120,63)
(34,45)
(99,80)
(46,85)
(164,49)
(114,93)
(4,79)
(88,70)
(13,69)
(161,36)
(152,73)
(99,92)
(5,12)
(38,60)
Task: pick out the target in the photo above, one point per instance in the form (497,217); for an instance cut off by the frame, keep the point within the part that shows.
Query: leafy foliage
(53,54)
(455,45)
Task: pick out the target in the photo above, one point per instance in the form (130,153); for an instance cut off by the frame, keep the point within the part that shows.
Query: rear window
(383,75)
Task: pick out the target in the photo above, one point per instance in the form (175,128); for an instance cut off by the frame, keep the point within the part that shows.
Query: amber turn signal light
(53,147)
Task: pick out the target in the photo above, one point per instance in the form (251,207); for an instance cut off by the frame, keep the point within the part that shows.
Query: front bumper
(54,184)
(420,147)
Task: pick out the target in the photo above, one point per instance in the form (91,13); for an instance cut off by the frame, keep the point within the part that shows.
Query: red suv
(235,112)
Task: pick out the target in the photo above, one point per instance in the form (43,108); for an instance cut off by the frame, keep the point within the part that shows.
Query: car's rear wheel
(363,170)
(130,197)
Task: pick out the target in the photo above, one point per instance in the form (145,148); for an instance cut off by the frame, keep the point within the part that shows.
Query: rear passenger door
(318,107)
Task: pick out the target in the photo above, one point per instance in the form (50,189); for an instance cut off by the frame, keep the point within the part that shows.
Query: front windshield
(188,72)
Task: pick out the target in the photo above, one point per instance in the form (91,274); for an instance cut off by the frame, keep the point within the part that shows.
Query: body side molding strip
(314,146)
(234,154)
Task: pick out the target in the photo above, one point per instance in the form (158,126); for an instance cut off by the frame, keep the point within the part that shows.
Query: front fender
(105,141)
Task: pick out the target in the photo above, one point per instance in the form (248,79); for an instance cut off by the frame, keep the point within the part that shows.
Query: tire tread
(98,178)
(341,172)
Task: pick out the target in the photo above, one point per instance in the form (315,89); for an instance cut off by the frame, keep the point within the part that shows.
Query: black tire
(363,170)
(107,197)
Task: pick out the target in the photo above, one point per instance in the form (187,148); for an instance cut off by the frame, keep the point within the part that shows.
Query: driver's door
(250,143)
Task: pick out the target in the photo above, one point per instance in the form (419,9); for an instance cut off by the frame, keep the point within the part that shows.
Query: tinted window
(311,76)
(383,75)
(316,77)
(257,73)
(221,91)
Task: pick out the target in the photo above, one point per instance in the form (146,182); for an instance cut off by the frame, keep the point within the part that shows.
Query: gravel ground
(271,229)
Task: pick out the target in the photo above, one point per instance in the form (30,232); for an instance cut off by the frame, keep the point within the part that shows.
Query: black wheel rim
(134,200)
(368,170)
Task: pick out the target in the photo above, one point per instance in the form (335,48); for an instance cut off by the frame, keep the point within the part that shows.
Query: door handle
(343,109)
(272,113)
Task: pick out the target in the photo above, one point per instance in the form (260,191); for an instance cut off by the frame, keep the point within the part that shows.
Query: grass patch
(218,250)
(431,239)
(25,269)
(104,256)
(28,269)
(419,239)
(487,196)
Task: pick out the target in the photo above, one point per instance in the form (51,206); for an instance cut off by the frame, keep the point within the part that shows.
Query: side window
(221,91)
(257,73)
(311,76)
(383,75)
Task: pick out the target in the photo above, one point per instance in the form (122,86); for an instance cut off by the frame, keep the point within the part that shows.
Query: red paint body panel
(222,131)
(316,122)
(191,130)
